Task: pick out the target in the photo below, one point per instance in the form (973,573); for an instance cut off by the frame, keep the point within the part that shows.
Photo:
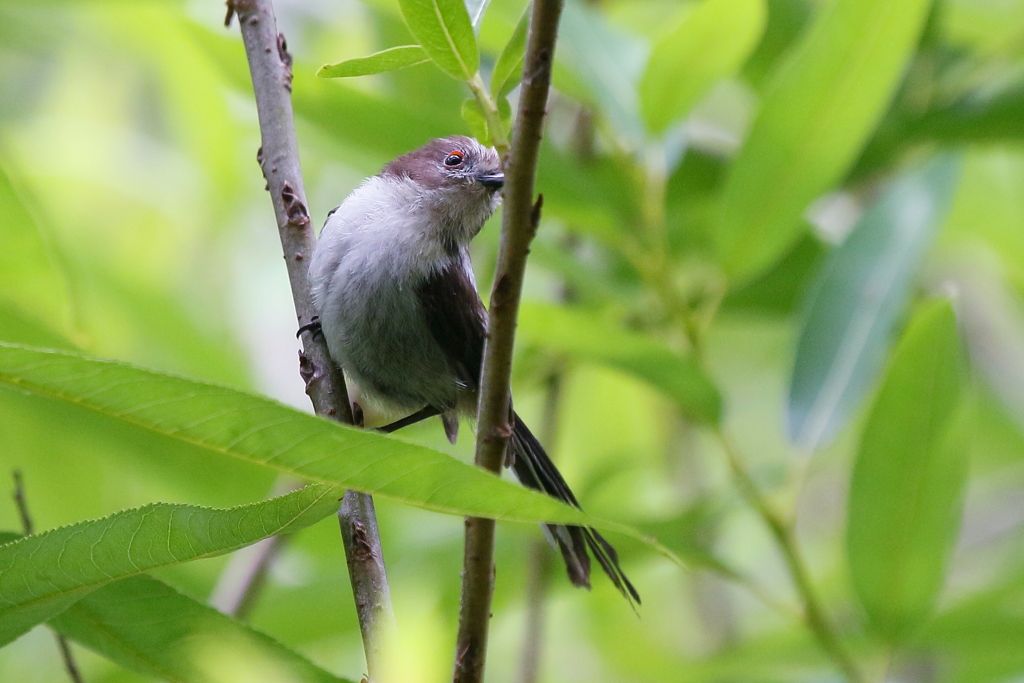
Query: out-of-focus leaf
(197,113)
(688,535)
(590,339)
(19,328)
(708,43)
(993,325)
(351,117)
(781,290)
(978,117)
(786,19)
(390,59)
(860,293)
(979,635)
(815,118)
(473,115)
(231,423)
(608,62)
(31,271)
(590,197)
(443,28)
(476,9)
(42,575)
(8,537)
(909,476)
(145,625)
(508,70)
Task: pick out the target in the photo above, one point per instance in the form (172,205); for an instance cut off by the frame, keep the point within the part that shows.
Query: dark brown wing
(456,318)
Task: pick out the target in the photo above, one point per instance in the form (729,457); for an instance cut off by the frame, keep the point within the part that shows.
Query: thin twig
(270,68)
(538,581)
(814,612)
(491,114)
(19,500)
(539,565)
(26,524)
(242,580)
(519,223)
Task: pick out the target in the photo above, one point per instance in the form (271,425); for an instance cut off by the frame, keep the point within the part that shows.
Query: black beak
(492,181)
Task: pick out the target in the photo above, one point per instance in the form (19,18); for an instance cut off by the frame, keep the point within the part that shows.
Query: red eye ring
(454,158)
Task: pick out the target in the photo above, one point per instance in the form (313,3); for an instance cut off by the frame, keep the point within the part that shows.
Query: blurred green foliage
(745,204)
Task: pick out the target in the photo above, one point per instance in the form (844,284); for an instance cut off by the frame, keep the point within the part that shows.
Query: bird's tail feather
(534,469)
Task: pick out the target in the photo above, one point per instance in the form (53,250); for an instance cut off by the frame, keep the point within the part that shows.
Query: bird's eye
(453,159)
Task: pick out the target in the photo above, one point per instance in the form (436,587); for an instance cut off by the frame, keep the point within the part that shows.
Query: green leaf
(443,28)
(909,476)
(508,70)
(32,271)
(608,63)
(348,115)
(707,44)
(816,116)
(231,423)
(18,327)
(476,9)
(860,293)
(145,625)
(591,339)
(391,59)
(473,115)
(42,575)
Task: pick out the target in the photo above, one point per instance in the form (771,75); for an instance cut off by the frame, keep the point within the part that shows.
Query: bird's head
(459,179)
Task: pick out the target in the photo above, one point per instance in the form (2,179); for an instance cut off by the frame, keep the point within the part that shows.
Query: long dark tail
(534,469)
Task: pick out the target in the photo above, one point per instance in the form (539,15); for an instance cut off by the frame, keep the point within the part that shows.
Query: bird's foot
(312,326)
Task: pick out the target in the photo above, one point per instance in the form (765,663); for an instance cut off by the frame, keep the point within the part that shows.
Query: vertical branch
(519,224)
(358,522)
(270,68)
(26,524)
(540,563)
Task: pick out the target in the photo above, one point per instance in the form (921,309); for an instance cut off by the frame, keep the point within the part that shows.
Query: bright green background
(700,259)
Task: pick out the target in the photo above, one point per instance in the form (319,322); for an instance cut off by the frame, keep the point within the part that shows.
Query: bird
(397,304)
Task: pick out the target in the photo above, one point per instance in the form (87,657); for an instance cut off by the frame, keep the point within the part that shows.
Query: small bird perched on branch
(399,310)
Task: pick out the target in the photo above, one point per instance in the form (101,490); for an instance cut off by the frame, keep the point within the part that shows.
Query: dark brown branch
(26,524)
(519,224)
(271,71)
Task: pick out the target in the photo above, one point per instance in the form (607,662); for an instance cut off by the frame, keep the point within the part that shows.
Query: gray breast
(375,328)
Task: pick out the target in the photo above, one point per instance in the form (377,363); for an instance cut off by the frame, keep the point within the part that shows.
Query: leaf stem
(519,224)
(499,136)
(782,532)
(270,69)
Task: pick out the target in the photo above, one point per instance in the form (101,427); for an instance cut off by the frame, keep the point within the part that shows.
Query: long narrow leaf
(906,494)
(860,293)
(476,9)
(227,422)
(508,70)
(145,625)
(607,61)
(42,575)
(708,43)
(816,116)
(391,59)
